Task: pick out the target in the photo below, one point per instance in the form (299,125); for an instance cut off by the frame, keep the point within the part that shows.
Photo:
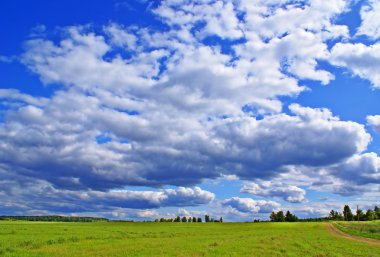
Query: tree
(370,215)
(221,219)
(194,219)
(207,218)
(359,215)
(273,216)
(178,219)
(377,212)
(184,219)
(277,217)
(332,215)
(199,219)
(290,217)
(348,216)
(280,216)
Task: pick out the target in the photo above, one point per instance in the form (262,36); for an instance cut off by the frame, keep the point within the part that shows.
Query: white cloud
(176,110)
(121,37)
(248,205)
(289,193)
(370,15)
(360,59)
(359,169)
(39,195)
(374,122)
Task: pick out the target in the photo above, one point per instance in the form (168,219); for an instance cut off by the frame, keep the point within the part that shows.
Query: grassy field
(369,229)
(20,238)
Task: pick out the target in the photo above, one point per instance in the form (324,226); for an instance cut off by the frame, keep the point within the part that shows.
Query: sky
(146,109)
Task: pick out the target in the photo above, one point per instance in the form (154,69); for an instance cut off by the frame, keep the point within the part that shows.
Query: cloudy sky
(144,109)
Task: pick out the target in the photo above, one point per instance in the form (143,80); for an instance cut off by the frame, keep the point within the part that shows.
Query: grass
(20,238)
(369,229)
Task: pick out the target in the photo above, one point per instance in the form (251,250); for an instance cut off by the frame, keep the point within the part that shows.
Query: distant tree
(184,219)
(273,216)
(194,219)
(290,217)
(221,219)
(377,212)
(189,219)
(178,219)
(370,215)
(280,216)
(359,215)
(199,219)
(339,216)
(207,218)
(332,215)
(347,213)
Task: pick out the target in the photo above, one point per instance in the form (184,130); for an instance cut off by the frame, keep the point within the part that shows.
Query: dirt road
(336,232)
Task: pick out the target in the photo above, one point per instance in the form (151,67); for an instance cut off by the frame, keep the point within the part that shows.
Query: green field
(370,229)
(18,238)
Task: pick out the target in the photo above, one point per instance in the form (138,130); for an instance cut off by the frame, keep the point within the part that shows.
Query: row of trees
(347,214)
(280,217)
(189,219)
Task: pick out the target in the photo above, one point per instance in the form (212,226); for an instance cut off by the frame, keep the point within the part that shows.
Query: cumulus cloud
(374,122)
(40,196)
(249,205)
(370,15)
(199,99)
(289,193)
(360,59)
(263,147)
(64,151)
(360,169)
(358,175)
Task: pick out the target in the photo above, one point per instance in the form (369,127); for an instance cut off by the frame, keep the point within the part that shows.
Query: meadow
(22,238)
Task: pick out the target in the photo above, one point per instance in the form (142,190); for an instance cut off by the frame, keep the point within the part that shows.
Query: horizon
(148,109)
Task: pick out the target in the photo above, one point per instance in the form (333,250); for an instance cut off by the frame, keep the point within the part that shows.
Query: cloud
(370,15)
(121,37)
(359,169)
(374,122)
(8,59)
(358,175)
(40,196)
(199,99)
(262,148)
(46,143)
(289,193)
(248,205)
(360,59)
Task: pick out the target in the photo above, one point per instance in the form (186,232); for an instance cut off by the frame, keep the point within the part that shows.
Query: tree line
(360,215)
(345,215)
(189,219)
(280,217)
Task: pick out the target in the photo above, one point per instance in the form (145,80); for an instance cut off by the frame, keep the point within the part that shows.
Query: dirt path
(336,232)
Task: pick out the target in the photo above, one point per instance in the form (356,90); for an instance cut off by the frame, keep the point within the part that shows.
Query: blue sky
(145,109)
